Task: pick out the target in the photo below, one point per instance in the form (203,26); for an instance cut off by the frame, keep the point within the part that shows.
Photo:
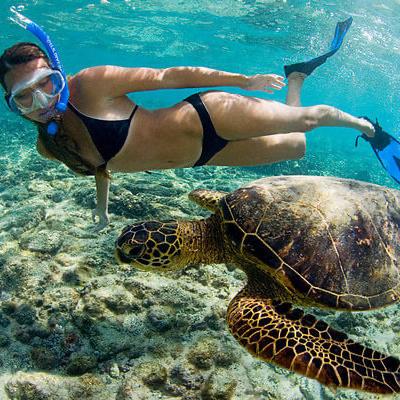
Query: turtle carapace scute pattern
(302,241)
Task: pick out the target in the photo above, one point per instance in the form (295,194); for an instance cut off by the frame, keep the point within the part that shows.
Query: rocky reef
(76,325)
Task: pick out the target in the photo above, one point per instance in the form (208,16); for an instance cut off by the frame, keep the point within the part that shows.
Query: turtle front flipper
(208,199)
(276,333)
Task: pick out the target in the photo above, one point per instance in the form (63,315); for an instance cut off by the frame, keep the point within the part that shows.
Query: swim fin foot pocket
(381,138)
(309,66)
(386,149)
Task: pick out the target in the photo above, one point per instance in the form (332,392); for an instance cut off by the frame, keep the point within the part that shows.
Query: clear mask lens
(36,92)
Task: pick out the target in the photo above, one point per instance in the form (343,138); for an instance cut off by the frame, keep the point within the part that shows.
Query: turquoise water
(243,36)
(66,307)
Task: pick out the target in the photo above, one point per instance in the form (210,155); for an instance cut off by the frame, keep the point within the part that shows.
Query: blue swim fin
(386,148)
(309,66)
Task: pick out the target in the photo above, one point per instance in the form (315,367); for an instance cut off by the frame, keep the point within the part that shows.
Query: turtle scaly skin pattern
(275,332)
(164,246)
(325,242)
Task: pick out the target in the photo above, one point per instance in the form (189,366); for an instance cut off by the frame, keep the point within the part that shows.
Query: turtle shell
(333,241)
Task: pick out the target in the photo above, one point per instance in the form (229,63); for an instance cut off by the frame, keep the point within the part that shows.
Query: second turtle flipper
(274,332)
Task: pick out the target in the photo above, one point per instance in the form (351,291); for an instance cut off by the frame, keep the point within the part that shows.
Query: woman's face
(22,72)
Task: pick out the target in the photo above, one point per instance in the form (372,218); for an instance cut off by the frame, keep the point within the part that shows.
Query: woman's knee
(297,145)
(314,116)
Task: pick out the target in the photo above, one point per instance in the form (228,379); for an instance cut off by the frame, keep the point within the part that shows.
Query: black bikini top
(108,135)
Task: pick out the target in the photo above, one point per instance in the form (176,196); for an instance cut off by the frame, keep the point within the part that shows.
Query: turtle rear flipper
(276,333)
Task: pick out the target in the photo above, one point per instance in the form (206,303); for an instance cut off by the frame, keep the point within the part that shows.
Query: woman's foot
(324,115)
(366,127)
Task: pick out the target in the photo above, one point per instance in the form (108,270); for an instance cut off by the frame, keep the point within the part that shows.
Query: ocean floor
(76,325)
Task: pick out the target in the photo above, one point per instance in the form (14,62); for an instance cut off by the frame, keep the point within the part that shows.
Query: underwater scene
(77,324)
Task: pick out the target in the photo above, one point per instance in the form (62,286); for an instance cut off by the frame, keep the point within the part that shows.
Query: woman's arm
(117,81)
(102,191)
(43,151)
(187,77)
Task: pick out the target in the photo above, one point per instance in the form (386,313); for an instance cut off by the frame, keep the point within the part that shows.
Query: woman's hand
(101,217)
(264,82)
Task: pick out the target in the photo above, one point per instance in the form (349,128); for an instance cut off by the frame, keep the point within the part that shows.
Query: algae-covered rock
(77,276)
(142,336)
(42,242)
(9,307)
(311,389)
(112,298)
(33,387)
(110,338)
(4,321)
(57,196)
(4,340)
(22,219)
(43,386)
(218,386)
(43,358)
(14,274)
(153,374)
(227,354)
(84,196)
(123,202)
(184,375)
(202,354)
(25,314)
(159,320)
(80,363)
(131,390)
(118,300)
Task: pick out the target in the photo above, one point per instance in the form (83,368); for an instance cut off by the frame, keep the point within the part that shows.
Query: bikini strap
(133,112)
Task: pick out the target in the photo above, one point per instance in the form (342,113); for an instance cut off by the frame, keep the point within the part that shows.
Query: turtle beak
(121,258)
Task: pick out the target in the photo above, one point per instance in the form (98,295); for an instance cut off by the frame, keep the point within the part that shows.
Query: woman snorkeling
(103,130)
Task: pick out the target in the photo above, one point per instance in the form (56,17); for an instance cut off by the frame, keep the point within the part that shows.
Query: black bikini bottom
(212,143)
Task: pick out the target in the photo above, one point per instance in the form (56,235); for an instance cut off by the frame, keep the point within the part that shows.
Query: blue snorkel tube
(62,103)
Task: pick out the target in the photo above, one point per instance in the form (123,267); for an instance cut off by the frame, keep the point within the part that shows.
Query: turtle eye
(137,250)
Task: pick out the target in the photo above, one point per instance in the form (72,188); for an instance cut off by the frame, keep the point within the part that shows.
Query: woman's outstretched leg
(268,149)
(238,117)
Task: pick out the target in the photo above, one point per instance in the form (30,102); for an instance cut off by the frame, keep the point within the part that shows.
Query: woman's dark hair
(64,149)
(20,53)
(61,146)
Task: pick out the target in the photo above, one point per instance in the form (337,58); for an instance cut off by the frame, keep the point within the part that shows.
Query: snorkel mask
(46,85)
(39,90)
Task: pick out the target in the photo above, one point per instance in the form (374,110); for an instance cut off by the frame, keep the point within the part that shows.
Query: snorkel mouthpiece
(26,23)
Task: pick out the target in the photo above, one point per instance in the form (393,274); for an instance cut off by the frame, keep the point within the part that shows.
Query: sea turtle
(314,241)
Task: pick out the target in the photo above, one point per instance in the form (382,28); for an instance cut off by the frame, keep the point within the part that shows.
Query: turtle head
(151,246)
